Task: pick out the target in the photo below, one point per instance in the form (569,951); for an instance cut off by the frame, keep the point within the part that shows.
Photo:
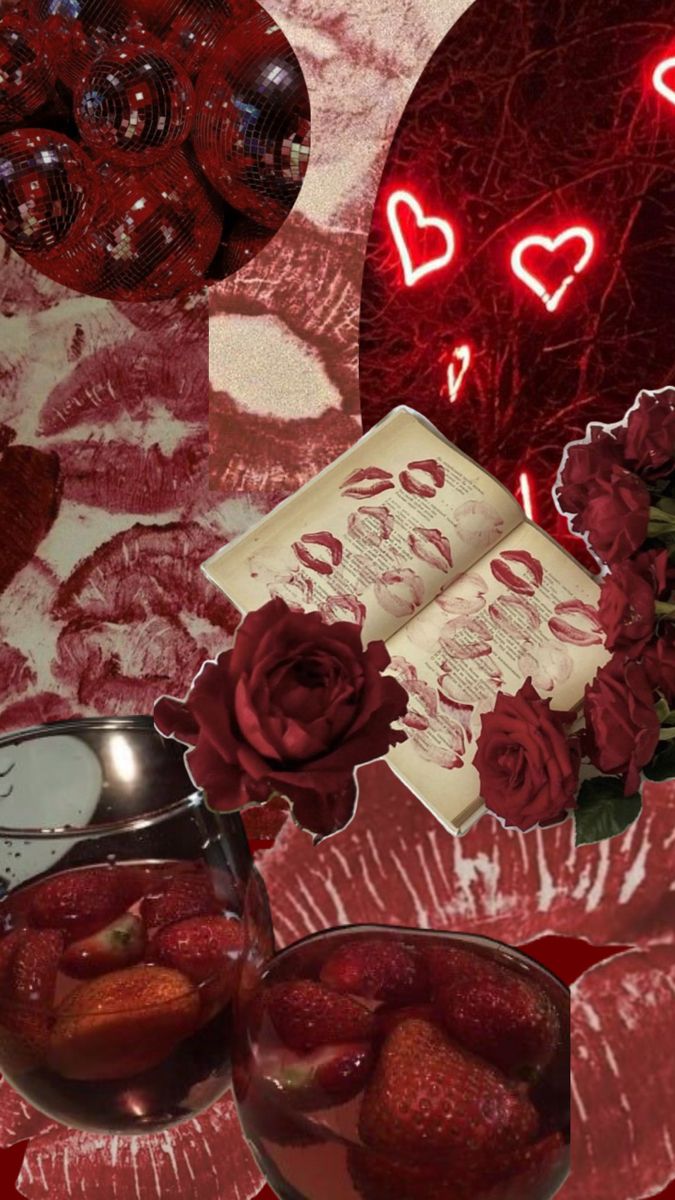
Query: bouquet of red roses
(616,487)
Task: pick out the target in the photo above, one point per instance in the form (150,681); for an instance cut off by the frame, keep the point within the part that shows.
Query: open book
(434,556)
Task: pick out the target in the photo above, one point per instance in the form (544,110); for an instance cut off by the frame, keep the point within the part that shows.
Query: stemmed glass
(121,927)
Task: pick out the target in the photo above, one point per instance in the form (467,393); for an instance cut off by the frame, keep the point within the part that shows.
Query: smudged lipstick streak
(432,547)
(399,592)
(478,648)
(325,540)
(341,608)
(360,522)
(432,468)
(575,633)
(415,486)
(504,612)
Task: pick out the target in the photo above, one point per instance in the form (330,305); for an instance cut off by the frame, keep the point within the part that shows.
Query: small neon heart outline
(658,79)
(551,301)
(460,358)
(411,274)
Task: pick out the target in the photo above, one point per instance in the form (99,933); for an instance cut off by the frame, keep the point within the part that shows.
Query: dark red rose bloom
(650,433)
(616,515)
(292,709)
(528,765)
(627,606)
(659,663)
(584,463)
(622,725)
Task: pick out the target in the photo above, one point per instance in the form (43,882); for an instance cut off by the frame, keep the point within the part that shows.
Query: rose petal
(173,718)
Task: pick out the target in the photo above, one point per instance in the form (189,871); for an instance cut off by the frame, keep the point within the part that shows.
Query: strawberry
(176,899)
(536,1170)
(324,1077)
(428,1098)
(209,950)
(501,1015)
(307,1014)
(381,1177)
(30,984)
(8,946)
(387,1019)
(79,902)
(377,969)
(122,1023)
(446,963)
(120,944)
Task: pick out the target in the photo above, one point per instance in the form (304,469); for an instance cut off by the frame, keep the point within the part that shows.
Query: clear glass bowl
(344,1111)
(122,930)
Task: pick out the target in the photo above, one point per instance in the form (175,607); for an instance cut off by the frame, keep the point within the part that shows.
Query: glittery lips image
(367,481)
(524,582)
(423,478)
(400,592)
(432,547)
(515,615)
(584,629)
(331,545)
(371,524)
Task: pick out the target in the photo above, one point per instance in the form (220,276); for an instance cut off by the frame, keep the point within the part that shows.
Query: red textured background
(566,957)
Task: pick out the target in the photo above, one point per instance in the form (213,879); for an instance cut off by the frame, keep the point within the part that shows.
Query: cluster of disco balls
(146,146)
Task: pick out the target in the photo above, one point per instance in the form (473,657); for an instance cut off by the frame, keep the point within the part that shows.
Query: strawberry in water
(8,946)
(28,996)
(324,1077)
(377,969)
(120,944)
(500,1015)
(307,1014)
(181,897)
(80,902)
(122,1023)
(208,950)
(430,1099)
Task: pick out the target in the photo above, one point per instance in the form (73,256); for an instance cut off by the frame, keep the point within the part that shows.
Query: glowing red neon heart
(460,361)
(411,273)
(659,79)
(551,300)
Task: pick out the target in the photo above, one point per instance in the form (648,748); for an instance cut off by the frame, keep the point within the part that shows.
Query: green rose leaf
(662,765)
(603,810)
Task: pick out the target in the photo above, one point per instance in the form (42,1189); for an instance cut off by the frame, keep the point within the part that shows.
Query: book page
(526,609)
(377,535)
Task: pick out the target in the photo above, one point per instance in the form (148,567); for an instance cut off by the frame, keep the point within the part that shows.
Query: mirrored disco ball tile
(48,191)
(26,71)
(134,105)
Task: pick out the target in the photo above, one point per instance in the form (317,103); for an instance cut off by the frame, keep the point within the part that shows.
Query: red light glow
(550,299)
(526,494)
(458,366)
(402,201)
(664,89)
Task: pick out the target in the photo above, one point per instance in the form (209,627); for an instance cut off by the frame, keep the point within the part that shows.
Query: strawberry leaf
(603,811)
(662,765)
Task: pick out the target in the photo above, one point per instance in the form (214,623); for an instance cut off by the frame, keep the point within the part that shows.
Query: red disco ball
(26,73)
(243,243)
(160,15)
(48,191)
(193,33)
(104,16)
(134,105)
(155,234)
(252,130)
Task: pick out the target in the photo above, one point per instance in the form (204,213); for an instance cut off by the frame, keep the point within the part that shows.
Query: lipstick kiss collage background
(136,439)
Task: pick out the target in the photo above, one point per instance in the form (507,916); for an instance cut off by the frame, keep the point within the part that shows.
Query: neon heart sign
(549,299)
(659,79)
(460,361)
(401,201)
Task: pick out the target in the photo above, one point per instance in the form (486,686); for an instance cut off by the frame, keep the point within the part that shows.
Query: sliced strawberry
(324,1077)
(501,1015)
(306,1014)
(182,896)
(122,1023)
(428,1098)
(378,969)
(208,950)
(120,944)
(80,902)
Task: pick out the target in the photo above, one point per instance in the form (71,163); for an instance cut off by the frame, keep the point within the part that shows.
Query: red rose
(584,463)
(616,515)
(627,606)
(292,708)
(528,765)
(650,433)
(659,663)
(622,724)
